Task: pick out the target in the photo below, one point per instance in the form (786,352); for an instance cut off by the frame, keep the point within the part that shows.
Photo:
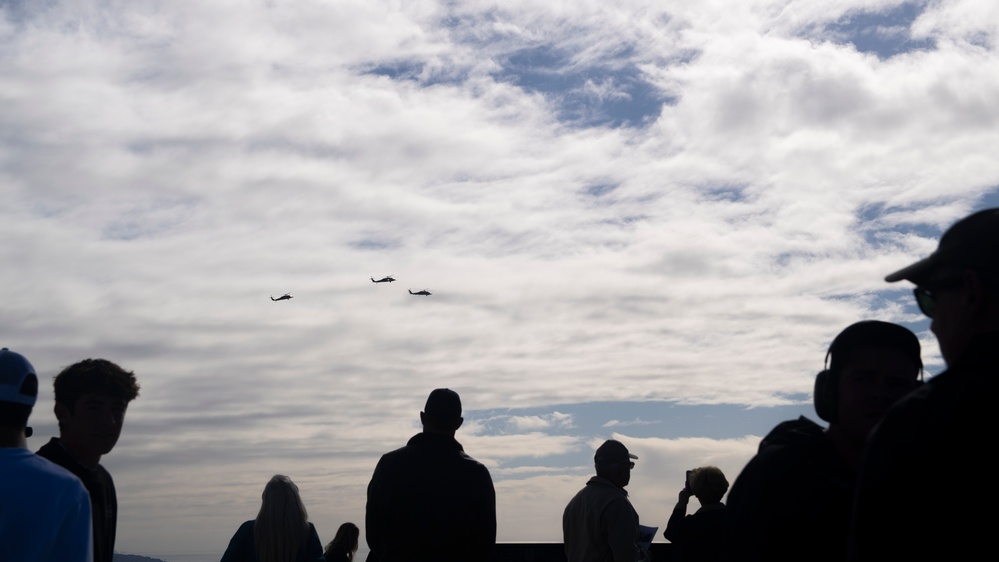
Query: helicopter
(423,293)
(283,297)
(386,279)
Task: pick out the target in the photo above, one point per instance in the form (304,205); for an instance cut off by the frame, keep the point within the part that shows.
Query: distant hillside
(119,557)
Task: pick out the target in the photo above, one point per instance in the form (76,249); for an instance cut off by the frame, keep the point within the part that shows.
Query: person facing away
(793,500)
(280,533)
(911,502)
(599,524)
(344,544)
(90,401)
(429,501)
(697,537)
(44,509)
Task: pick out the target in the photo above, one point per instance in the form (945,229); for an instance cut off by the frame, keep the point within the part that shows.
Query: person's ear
(975,297)
(458,424)
(423,419)
(62,413)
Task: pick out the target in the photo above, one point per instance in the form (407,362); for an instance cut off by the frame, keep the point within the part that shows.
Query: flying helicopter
(283,297)
(386,279)
(423,293)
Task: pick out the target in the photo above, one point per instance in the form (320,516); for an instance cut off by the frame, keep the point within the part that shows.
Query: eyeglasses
(926,295)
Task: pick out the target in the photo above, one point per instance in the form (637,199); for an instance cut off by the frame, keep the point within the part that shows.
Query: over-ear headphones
(826,392)
(867,332)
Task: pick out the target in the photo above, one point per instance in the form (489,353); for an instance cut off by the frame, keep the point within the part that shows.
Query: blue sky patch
(990,199)
(587,96)
(601,189)
(885,34)
(372,244)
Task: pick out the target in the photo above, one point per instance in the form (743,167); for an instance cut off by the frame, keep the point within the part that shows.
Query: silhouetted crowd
(892,476)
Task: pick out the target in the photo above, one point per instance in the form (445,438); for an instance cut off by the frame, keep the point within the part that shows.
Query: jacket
(792,501)
(103,498)
(696,537)
(600,525)
(924,483)
(242,546)
(430,501)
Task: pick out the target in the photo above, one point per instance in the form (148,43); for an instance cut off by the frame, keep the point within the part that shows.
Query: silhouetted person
(793,500)
(429,501)
(599,524)
(280,533)
(90,401)
(698,537)
(44,509)
(911,501)
(344,544)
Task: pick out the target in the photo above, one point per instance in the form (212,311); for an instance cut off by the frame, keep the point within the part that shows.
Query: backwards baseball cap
(875,333)
(612,452)
(970,244)
(443,405)
(18,381)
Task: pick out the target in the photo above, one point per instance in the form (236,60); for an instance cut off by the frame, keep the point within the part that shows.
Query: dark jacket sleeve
(621,523)
(313,546)
(241,545)
(674,528)
(376,512)
(487,541)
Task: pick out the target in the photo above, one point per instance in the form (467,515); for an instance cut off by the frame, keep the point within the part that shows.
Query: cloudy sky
(641,218)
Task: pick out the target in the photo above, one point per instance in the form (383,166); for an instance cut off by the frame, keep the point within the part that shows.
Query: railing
(555,552)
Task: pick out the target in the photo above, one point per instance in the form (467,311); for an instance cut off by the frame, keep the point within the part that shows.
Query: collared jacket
(429,501)
(600,525)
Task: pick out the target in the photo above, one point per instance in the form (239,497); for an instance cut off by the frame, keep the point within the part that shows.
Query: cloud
(636,421)
(550,421)
(624,203)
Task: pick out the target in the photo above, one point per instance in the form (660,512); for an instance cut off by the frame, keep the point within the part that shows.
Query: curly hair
(708,483)
(94,375)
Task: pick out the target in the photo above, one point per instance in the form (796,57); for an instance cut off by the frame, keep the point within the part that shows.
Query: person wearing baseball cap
(909,477)
(429,500)
(45,510)
(599,524)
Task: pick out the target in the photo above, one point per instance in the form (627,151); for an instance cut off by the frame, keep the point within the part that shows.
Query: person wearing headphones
(793,500)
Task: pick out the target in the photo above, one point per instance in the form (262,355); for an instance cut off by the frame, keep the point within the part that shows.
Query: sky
(639,219)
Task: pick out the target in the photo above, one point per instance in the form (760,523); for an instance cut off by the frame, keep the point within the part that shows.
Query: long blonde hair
(282,525)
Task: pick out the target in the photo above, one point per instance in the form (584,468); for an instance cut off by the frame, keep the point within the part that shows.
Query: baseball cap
(443,405)
(612,452)
(18,381)
(970,244)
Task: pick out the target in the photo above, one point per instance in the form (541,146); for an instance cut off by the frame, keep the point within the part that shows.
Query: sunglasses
(926,295)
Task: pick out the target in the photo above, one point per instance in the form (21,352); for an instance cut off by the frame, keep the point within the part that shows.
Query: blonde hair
(282,525)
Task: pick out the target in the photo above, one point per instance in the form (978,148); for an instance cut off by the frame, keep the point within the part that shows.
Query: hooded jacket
(792,501)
